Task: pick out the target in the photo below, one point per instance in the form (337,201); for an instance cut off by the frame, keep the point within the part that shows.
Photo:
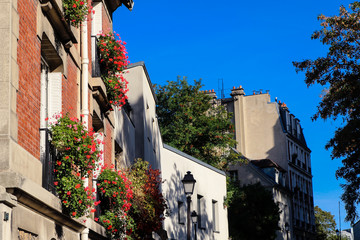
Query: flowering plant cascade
(75,160)
(115,190)
(113,61)
(75,11)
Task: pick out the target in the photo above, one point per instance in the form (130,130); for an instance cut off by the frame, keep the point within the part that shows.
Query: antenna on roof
(221,88)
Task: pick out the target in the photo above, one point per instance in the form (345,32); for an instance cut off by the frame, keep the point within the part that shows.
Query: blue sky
(244,43)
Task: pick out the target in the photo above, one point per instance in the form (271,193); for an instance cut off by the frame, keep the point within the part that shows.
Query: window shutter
(54,93)
(97,19)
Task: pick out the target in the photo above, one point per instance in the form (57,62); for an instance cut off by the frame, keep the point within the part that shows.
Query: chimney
(211,93)
(237,91)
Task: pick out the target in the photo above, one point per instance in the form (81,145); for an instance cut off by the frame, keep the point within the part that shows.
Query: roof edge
(142,64)
(177,151)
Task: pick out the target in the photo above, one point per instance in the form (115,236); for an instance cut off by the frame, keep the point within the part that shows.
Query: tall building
(267,130)
(44,64)
(48,66)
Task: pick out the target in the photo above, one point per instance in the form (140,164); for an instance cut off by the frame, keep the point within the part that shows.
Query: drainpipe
(85,73)
(85,81)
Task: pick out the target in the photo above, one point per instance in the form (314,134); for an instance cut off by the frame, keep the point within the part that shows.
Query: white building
(137,135)
(207,199)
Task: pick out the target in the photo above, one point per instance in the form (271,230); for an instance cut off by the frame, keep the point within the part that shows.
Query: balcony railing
(48,161)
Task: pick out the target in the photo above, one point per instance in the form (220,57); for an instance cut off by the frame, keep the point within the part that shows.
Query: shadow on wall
(175,194)
(278,153)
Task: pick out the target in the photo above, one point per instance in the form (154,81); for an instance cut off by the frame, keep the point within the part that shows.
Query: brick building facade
(43,66)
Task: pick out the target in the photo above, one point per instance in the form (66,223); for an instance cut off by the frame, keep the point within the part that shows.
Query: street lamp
(287,230)
(189,184)
(194,218)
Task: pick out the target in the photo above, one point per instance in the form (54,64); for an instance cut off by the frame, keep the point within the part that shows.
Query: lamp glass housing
(189,183)
(194,217)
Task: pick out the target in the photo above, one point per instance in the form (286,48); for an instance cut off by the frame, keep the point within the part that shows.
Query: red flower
(78,186)
(68,193)
(56,183)
(74,6)
(74,213)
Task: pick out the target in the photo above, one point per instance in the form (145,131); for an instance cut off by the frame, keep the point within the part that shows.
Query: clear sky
(248,43)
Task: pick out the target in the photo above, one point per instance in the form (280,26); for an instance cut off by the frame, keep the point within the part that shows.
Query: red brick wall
(108,143)
(29,61)
(70,89)
(106,23)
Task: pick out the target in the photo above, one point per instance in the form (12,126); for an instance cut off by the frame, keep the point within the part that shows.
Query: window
(119,158)
(233,175)
(215,216)
(96,28)
(201,211)
(181,212)
(50,103)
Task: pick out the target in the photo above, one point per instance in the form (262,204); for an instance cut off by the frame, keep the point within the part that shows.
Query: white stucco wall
(210,183)
(125,136)
(259,129)
(143,103)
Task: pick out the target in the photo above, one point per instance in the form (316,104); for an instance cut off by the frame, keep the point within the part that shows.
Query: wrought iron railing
(48,161)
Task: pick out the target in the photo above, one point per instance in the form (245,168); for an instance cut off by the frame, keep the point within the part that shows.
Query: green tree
(253,215)
(325,224)
(339,73)
(190,122)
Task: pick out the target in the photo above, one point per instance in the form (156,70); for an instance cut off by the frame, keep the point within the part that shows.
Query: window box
(54,11)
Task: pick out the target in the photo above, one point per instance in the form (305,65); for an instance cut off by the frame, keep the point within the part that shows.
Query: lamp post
(287,230)
(189,184)
(194,218)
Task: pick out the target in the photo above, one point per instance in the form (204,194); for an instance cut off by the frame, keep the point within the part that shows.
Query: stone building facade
(267,130)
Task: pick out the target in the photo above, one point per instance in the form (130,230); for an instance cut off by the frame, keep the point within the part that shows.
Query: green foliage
(191,123)
(148,204)
(339,71)
(116,193)
(253,215)
(76,200)
(75,11)
(77,147)
(325,224)
(76,158)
